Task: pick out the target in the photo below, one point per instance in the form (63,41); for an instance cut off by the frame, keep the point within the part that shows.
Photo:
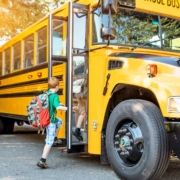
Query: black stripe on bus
(33,82)
(27,94)
(14,116)
(27,70)
(174,61)
(35,68)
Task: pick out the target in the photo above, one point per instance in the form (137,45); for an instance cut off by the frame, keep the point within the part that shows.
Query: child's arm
(58,105)
(62,108)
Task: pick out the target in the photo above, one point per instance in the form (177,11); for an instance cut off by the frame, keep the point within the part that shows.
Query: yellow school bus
(128,52)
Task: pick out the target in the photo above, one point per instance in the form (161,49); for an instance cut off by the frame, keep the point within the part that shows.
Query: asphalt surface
(20,151)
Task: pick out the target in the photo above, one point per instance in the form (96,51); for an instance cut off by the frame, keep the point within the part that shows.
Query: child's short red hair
(53,82)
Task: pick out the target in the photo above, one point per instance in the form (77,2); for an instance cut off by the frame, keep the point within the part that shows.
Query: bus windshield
(135,28)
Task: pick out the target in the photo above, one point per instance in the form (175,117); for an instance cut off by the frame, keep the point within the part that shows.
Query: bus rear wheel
(9,126)
(136,141)
(1,126)
(6,125)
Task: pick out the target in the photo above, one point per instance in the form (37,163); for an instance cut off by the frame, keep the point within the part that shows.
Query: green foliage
(137,28)
(133,27)
(17,15)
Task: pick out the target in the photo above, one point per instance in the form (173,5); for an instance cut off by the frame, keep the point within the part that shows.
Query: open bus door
(57,61)
(77,71)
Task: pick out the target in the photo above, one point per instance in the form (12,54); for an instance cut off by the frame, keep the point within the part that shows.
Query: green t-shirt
(53,104)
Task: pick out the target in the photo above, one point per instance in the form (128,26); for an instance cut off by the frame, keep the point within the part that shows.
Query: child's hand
(75,108)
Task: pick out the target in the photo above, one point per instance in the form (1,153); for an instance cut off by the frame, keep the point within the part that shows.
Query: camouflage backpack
(38,111)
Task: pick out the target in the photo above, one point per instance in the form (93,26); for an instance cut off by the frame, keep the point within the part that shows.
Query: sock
(43,160)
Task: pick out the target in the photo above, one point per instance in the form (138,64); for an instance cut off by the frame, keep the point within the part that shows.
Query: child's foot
(42,164)
(78,135)
(57,142)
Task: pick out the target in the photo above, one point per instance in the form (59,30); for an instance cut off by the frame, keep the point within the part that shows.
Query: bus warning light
(30,76)
(39,74)
(151,70)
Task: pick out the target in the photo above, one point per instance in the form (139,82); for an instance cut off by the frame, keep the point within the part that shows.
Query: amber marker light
(39,74)
(30,76)
(151,70)
(174,104)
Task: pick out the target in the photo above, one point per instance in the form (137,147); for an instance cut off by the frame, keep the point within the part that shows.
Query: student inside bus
(30,61)
(7,71)
(81,107)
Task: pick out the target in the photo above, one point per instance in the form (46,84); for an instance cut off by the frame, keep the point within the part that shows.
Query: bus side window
(16,56)
(29,61)
(59,38)
(7,61)
(28,51)
(41,45)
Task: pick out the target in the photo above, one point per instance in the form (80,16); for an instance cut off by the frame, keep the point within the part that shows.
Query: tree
(17,15)
(142,29)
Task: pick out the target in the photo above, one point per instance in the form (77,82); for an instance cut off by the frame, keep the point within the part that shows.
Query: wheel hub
(125,141)
(129,143)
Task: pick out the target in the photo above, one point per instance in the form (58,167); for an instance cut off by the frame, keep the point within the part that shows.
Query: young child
(53,127)
(82,111)
(82,105)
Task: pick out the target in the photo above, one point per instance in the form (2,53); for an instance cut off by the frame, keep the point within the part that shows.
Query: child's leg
(81,119)
(82,111)
(46,151)
(50,134)
(58,125)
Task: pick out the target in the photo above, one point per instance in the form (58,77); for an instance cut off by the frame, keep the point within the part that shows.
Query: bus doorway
(77,118)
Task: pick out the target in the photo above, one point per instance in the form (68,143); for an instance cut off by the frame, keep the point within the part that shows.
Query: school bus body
(109,87)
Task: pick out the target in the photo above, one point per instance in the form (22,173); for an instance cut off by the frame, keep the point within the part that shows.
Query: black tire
(9,126)
(136,141)
(1,126)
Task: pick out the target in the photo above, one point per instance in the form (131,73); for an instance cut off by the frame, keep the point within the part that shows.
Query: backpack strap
(39,103)
(53,116)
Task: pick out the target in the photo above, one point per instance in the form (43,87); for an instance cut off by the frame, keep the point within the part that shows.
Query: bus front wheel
(136,141)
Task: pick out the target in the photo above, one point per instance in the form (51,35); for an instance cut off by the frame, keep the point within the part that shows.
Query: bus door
(77,89)
(57,61)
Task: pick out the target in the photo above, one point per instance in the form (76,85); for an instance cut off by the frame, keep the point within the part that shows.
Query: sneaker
(78,135)
(57,142)
(42,164)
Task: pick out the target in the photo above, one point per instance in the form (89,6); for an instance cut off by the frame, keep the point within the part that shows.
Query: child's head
(53,83)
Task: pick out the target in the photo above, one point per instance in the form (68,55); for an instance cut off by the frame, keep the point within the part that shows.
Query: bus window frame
(4,60)
(28,52)
(64,29)
(39,48)
(14,58)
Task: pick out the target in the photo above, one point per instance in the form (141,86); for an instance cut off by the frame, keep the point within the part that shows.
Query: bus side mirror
(108,33)
(109,5)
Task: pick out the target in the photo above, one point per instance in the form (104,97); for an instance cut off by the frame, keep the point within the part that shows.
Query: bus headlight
(174,104)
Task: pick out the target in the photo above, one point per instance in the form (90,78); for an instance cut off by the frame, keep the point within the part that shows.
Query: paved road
(20,151)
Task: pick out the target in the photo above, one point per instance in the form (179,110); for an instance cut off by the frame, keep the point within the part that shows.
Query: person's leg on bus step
(77,132)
